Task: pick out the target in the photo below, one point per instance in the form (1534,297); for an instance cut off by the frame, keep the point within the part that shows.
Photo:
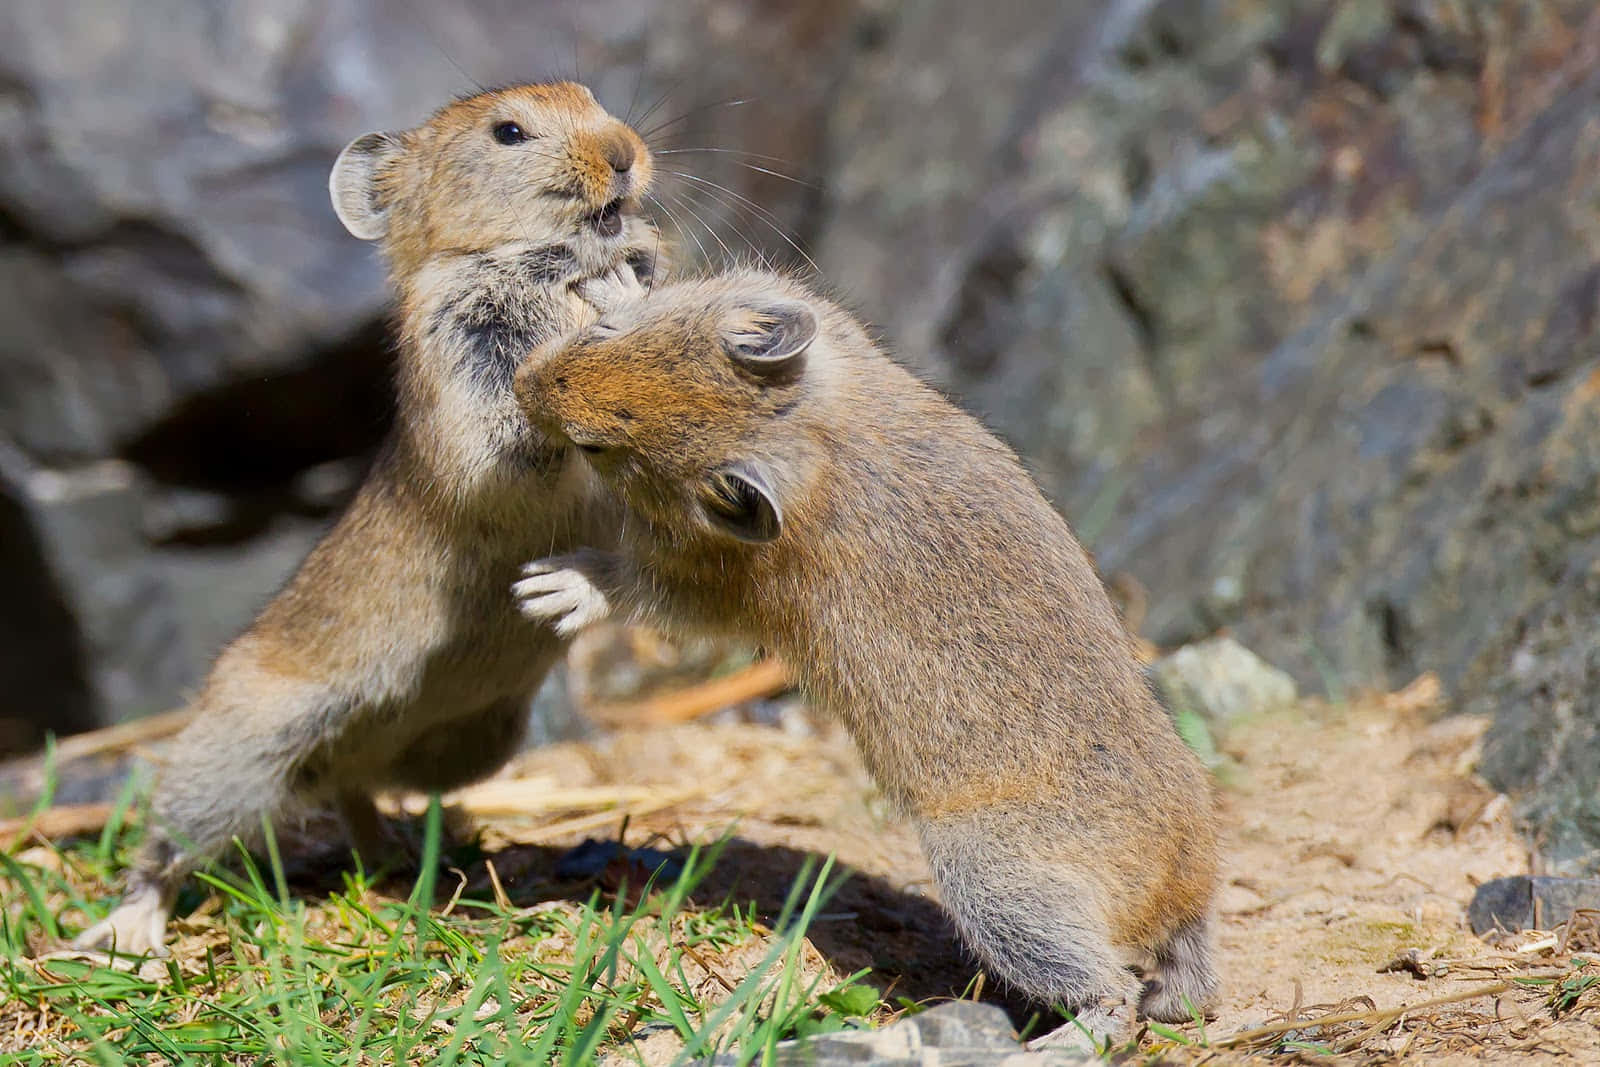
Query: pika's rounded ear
(768,339)
(739,499)
(353,185)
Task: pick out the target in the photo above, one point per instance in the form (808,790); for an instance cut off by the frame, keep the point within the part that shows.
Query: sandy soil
(1353,844)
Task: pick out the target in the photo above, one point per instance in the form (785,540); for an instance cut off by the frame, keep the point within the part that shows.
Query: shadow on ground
(904,939)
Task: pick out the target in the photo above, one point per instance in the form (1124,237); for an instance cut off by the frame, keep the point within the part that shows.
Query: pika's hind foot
(559,592)
(136,927)
(1184,980)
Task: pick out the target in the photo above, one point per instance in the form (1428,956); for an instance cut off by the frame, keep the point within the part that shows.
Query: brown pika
(393,659)
(784,479)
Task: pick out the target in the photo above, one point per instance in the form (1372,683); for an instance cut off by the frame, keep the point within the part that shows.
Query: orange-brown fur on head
(696,399)
(453,184)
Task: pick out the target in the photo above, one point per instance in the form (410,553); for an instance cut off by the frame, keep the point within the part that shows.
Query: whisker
(650,289)
(661,99)
(742,163)
(668,123)
(726,251)
(699,197)
(433,39)
(638,83)
(678,225)
(760,212)
(731,151)
(777,174)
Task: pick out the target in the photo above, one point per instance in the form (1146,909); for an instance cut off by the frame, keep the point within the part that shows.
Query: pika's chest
(488,313)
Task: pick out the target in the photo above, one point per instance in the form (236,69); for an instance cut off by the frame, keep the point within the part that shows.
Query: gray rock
(144,620)
(41,654)
(957,1034)
(89,521)
(1525,903)
(1221,681)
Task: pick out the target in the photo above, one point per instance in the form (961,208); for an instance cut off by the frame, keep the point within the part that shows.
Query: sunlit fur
(394,658)
(927,593)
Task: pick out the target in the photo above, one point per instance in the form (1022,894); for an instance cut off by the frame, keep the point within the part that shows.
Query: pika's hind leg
(1037,926)
(1184,980)
(465,749)
(232,764)
(448,756)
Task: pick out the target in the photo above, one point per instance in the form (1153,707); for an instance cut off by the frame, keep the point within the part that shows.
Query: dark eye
(509,133)
(593,450)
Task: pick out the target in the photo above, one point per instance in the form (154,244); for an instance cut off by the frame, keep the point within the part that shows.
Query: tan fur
(926,592)
(392,658)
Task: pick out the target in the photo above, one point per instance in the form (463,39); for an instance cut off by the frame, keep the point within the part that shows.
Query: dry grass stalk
(758,680)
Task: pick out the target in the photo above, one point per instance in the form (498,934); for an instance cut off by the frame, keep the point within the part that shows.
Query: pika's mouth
(607,222)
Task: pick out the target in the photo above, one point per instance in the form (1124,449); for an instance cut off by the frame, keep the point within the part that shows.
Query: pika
(392,658)
(784,479)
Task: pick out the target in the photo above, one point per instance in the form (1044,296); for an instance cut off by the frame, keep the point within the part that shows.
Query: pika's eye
(593,450)
(509,133)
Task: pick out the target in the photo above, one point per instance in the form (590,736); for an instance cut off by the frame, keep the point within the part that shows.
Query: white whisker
(699,198)
(679,226)
(760,212)
(726,251)
(669,123)
(742,163)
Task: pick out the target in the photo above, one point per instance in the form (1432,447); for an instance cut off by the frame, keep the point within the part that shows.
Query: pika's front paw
(616,287)
(558,592)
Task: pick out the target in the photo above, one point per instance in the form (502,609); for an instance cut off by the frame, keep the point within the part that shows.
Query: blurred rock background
(1293,306)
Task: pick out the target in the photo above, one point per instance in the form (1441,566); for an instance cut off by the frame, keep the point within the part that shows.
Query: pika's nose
(619,153)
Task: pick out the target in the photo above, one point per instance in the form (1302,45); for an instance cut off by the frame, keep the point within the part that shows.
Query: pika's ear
(739,499)
(353,185)
(768,339)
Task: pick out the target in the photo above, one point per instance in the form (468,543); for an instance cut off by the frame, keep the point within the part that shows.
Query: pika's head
(542,163)
(690,404)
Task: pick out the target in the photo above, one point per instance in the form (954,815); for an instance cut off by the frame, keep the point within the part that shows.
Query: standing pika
(393,659)
(784,479)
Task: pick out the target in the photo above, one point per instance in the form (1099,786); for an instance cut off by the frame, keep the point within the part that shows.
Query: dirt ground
(1353,844)
(1354,838)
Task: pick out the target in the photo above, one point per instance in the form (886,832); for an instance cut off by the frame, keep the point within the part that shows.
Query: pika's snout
(619,151)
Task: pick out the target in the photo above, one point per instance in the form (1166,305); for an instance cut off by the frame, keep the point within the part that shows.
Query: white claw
(562,596)
(612,289)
